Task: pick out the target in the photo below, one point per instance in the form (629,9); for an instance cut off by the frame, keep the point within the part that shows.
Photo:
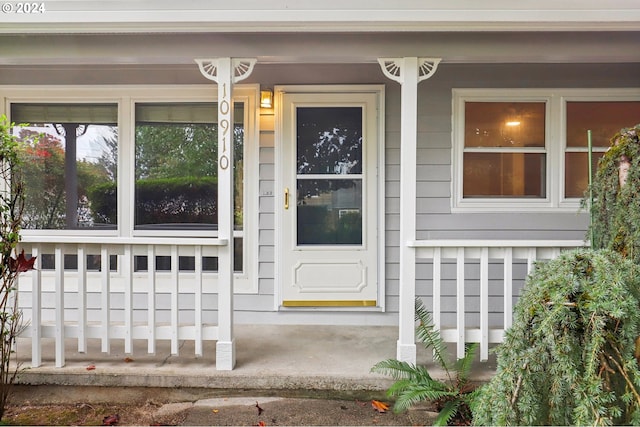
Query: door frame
(279,92)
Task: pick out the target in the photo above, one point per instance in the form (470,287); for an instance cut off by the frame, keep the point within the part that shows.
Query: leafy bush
(11,264)
(453,396)
(569,357)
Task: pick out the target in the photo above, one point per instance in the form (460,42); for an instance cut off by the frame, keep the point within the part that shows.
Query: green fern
(430,337)
(414,384)
(448,411)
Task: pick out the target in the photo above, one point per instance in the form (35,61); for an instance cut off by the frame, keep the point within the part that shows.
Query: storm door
(328,218)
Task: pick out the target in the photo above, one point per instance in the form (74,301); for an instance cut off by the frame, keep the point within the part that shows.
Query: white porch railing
(110,288)
(482,278)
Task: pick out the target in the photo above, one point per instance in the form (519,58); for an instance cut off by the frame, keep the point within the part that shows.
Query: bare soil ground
(85,414)
(188,410)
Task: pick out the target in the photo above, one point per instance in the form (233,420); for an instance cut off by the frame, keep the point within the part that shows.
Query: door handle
(286,198)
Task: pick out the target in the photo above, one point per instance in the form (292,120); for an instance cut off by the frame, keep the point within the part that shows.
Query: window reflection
(177,167)
(69,165)
(329,140)
(329,212)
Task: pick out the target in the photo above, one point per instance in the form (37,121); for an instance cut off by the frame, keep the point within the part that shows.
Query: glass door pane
(329,143)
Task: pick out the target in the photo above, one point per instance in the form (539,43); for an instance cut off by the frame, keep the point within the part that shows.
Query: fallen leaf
(215,411)
(111,420)
(20,264)
(381,407)
(260,410)
(91,367)
(128,360)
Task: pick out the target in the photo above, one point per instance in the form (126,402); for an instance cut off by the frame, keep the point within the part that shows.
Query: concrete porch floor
(268,357)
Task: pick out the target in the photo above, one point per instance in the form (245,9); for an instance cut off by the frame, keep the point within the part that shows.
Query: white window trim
(555,143)
(125,96)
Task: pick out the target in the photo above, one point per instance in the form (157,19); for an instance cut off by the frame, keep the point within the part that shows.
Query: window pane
(329,212)
(604,119)
(576,172)
(504,124)
(329,140)
(504,175)
(69,165)
(176,166)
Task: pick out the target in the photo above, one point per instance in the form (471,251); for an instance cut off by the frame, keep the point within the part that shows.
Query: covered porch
(84,315)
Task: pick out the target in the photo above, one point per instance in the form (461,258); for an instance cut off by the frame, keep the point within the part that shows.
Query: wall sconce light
(266,98)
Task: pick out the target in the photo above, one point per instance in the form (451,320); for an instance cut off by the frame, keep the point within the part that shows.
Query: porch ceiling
(452,47)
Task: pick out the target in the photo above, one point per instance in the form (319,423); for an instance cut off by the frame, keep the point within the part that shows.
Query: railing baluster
(437,288)
(484,304)
(127,267)
(460,321)
(36,309)
(105,298)
(531,259)
(508,287)
(151,299)
(174,299)
(198,301)
(82,299)
(59,308)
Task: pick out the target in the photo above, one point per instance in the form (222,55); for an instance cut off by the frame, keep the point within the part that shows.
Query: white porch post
(408,72)
(225,72)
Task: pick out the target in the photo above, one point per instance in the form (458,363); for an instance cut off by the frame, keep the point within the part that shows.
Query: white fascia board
(91,16)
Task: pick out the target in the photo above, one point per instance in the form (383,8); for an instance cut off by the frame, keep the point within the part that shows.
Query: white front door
(327,222)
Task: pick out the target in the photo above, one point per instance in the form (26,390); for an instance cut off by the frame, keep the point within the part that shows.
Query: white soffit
(310,48)
(135,16)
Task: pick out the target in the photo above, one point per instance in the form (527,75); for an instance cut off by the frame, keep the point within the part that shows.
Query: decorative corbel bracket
(392,68)
(242,68)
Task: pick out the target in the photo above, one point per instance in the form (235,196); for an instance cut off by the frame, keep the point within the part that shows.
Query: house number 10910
(224,126)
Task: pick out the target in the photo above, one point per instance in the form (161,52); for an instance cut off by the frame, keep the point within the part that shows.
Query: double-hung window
(505,153)
(528,149)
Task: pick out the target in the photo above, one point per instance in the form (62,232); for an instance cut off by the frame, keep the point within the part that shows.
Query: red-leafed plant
(12,263)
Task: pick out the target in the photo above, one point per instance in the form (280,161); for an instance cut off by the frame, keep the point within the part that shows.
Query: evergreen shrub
(615,211)
(569,357)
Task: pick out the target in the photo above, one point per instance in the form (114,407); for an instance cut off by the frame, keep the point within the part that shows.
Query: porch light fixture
(266,98)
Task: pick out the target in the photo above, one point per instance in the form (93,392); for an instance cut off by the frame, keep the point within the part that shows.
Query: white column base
(407,353)
(225,355)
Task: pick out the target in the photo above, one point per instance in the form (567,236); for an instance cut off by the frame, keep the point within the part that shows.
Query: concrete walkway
(269,357)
